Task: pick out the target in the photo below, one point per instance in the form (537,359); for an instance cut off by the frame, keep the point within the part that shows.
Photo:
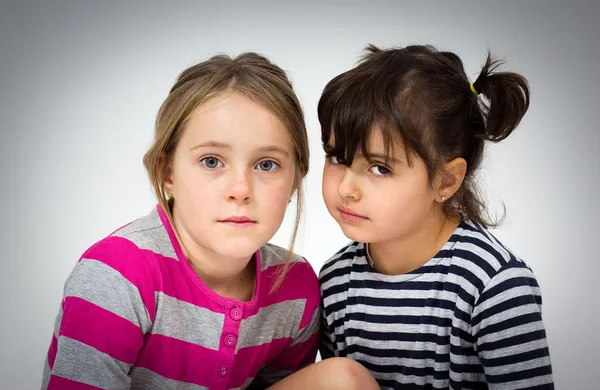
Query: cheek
(195,189)
(274,195)
(329,186)
(406,202)
(198,186)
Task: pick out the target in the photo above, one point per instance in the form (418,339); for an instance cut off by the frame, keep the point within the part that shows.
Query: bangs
(362,100)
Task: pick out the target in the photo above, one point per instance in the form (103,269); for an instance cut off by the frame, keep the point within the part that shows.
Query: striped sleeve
(509,331)
(301,353)
(103,317)
(301,349)
(334,281)
(327,339)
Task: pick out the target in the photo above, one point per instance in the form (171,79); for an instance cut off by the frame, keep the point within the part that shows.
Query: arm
(327,345)
(509,332)
(301,349)
(101,323)
(330,374)
(334,283)
(301,353)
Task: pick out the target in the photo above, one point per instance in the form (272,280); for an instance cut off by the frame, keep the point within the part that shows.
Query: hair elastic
(473,89)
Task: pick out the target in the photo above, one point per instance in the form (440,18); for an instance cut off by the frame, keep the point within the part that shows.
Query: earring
(443,198)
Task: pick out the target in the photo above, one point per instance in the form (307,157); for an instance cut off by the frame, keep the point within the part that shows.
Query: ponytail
(507,97)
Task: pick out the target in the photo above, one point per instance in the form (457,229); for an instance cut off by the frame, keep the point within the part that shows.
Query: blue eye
(211,162)
(336,160)
(267,165)
(380,170)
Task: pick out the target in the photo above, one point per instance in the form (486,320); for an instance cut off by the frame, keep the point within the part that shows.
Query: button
(230,340)
(223,370)
(236,314)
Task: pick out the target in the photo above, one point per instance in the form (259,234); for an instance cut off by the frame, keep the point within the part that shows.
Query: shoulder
(147,233)
(340,264)
(299,287)
(483,259)
(272,255)
(274,258)
(117,274)
(130,251)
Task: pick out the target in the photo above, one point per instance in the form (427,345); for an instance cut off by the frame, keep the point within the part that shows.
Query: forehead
(236,119)
(374,141)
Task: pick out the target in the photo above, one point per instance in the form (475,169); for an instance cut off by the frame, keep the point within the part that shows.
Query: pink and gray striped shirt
(136,316)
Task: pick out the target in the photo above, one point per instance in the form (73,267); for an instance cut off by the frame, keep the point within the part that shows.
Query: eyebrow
(330,149)
(211,144)
(273,148)
(385,158)
(221,145)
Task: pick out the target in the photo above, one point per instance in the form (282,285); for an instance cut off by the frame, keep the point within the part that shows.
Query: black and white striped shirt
(470,318)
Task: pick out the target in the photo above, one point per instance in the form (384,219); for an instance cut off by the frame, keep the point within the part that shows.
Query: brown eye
(337,160)
(380,170)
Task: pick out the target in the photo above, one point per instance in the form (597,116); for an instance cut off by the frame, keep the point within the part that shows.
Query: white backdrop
(81,82)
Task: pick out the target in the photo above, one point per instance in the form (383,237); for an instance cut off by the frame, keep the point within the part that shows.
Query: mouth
(238,221)
(350,216)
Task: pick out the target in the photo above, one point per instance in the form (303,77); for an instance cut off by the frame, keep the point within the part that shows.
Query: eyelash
(388,173)
(331,157)
(276,165)
(203,162)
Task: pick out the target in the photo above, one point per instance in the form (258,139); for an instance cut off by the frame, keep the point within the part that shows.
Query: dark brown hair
(422,97)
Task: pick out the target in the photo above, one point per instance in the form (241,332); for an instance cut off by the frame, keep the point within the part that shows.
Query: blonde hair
(250,74)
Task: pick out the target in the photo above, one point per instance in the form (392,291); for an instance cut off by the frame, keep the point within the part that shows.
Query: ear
(451,178)
(167,168)
(303,170)
(294,190)
(300,174)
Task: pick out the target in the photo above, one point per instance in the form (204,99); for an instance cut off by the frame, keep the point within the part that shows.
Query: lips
(351,216)
(238,221)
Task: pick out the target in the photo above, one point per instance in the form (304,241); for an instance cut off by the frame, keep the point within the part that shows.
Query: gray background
(80,84)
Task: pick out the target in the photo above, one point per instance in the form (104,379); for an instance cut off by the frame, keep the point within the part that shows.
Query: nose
(240,189)
(348,188)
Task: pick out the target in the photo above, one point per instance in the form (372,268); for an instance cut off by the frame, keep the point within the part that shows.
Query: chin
(238,248)
(355,233)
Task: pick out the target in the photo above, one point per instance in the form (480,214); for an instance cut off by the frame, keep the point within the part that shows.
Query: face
(232,175)
(374,202)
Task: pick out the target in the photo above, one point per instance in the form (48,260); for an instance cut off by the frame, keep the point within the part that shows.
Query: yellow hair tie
(473,89)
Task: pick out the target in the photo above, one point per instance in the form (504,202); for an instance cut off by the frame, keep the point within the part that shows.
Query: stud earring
(443,198)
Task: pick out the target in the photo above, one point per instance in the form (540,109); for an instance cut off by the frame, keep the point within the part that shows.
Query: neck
(399,256)
(231,283)
(229,277)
